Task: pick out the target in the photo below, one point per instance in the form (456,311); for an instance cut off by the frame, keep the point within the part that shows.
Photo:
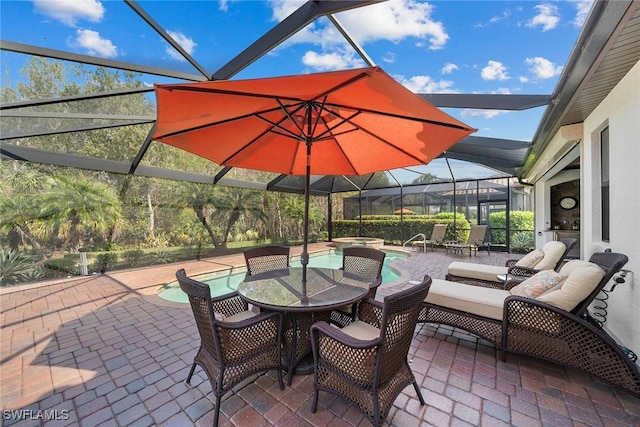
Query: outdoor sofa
(549,324)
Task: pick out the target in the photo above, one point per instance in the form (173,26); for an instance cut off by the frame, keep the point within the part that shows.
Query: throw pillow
(530,259)
(538,284)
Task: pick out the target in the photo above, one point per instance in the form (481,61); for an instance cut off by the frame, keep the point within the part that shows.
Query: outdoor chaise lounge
(476,237)
(550,326)
(437,237)
(550,257)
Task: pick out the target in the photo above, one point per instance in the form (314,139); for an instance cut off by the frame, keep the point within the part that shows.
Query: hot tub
(345,242)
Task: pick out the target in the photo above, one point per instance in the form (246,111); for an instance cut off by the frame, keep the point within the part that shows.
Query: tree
(78,208)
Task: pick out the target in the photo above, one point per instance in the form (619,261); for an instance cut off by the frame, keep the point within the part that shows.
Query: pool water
(224,282)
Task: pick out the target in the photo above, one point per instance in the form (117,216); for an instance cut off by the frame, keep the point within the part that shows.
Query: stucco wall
(621,111)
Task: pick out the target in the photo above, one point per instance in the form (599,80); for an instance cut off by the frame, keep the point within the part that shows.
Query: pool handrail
(424,241)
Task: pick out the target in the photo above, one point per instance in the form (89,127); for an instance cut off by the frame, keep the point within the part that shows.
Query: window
(604,182)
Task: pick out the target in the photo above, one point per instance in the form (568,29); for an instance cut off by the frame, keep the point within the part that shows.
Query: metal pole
(304,257)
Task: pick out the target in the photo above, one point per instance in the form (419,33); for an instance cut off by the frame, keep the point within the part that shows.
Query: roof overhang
(607,48)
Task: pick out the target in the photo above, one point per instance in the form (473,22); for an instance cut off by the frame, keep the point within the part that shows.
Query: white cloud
(425,84)
(485,114)
(394,20)
(186,42)
(389,57)
(331,61)
(547,17)
(283,8)
(71,11)
(582,11)
(523,79)
(94,44)
(502,91)
(449,68)
(494,71)
(543,68)
(505,15)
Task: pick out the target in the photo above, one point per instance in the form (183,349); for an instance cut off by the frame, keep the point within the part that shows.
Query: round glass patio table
(283,291)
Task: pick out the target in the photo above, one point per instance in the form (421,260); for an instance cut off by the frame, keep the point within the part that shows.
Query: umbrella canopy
(404,211)
(349,122)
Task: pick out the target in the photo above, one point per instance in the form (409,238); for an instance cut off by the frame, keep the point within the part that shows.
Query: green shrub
(13,265)
(161,257)
(63,266)
(522,242)
(35,274)
(133,257)
(393,231)
(519,221)
(105,261)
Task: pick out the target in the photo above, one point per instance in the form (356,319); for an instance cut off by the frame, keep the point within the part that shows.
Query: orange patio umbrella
(351,122)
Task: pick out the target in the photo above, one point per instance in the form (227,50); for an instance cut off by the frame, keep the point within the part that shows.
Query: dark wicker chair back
(569,244)
(370,373)
(611,263)
(266,258)
(199,296)
(364,262)
(397,326)
(234,350)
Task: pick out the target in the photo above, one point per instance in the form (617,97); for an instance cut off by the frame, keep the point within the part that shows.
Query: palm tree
(77,208)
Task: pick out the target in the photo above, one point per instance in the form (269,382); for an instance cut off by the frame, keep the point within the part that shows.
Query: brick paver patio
(106,350)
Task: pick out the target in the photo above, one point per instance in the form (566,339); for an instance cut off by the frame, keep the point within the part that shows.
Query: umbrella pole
(304,257)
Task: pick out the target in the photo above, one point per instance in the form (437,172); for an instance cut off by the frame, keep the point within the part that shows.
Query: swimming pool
(227,281)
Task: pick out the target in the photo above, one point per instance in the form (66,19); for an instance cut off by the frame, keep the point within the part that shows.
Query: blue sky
(510,47)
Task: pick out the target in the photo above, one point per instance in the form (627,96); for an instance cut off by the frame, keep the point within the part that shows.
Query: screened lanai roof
(72,118)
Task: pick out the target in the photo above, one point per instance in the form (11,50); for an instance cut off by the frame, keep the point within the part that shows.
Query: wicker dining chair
(266,258)
(363,262)
(366,361)
(234,343)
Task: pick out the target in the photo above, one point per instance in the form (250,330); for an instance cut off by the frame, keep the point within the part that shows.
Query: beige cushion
(361,330)
(486,302)
(566,269)
(531,259)
(552,253)
(537,284)
(572,265)
(476,271)
(238,317)
(580,282)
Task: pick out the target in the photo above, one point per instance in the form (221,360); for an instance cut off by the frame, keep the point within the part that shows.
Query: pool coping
(404,275)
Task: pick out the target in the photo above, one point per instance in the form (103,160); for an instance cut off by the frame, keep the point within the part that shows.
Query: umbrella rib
(207,125)
(343,84)
(277,125)
(400,116)
(231,92)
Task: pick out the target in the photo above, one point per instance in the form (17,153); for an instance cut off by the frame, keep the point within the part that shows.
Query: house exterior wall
(621,112)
